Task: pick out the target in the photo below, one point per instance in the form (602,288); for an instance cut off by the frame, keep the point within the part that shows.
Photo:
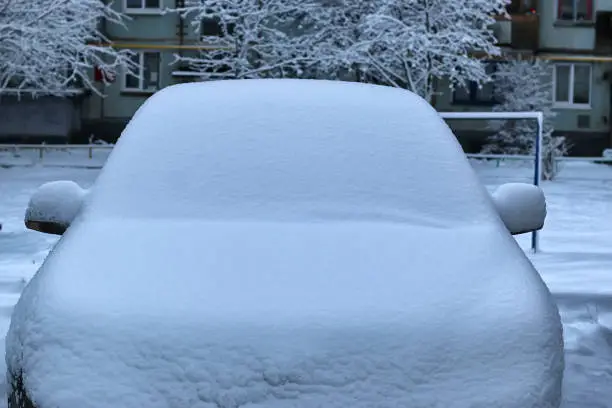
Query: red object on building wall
(98,76)
(101,76)
(589,9)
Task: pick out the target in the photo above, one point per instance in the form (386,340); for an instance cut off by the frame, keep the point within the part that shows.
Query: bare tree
(51,46)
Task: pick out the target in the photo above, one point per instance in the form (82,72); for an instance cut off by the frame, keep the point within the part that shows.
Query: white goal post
(538,117)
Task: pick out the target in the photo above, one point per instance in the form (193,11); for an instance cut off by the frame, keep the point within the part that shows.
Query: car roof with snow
(288,149)
(287,243)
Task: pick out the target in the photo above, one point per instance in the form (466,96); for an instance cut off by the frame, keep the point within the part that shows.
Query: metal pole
(537,177)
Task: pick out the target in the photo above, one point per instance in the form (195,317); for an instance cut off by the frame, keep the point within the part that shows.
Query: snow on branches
(525,85)
(248,38)
(335,41)
(412,43)
(407,44)
(51,46)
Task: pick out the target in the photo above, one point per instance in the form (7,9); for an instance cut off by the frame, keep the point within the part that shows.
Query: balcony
(521,32)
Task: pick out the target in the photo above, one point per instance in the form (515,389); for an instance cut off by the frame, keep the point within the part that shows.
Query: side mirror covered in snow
(53,207)
(522,207)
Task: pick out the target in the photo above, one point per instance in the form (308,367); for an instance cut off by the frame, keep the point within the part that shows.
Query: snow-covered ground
(576,263)
(576,258)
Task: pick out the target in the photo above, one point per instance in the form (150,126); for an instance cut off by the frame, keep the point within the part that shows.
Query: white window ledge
(187,74)
(574,106)
(143,12)
(138,91)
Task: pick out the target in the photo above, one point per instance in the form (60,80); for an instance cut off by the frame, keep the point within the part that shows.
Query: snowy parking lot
(575,262)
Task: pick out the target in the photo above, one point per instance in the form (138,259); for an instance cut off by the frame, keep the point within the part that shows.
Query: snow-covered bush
(525,85)
(50,46)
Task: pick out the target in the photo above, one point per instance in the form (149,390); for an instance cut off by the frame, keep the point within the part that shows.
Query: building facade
(576,35)
(156,38)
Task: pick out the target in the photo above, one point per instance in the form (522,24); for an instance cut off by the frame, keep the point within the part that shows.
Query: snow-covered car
(286,243)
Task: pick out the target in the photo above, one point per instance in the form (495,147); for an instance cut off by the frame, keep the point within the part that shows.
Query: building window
(575,10)
(146,77)
(142,5)
(572,85)
(213,27)
(472,94)
(210,27)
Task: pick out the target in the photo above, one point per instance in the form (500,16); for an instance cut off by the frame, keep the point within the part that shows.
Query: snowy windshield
(336,151)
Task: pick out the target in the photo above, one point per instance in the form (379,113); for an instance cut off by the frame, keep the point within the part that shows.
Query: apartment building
(156,38)
(576,35)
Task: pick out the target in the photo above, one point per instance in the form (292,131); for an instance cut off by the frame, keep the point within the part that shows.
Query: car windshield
(269,152)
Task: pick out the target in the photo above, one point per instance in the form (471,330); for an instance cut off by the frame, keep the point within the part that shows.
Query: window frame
(143,9)
(140,77)
(572,79)
(219,25)
(590,12)
(473,90)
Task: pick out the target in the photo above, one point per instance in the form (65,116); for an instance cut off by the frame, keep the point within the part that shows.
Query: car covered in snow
(285,243)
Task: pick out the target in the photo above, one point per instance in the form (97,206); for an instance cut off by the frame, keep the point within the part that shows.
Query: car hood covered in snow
(283,243)
(287,315)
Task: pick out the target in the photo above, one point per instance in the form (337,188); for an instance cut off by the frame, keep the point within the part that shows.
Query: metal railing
(43,148)
(499,158)
(89,148)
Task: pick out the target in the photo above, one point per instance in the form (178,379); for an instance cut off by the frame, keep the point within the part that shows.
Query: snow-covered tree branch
(414,42)
(50,46)
(335,38)
(525,85)
(408,43)
(249,38)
